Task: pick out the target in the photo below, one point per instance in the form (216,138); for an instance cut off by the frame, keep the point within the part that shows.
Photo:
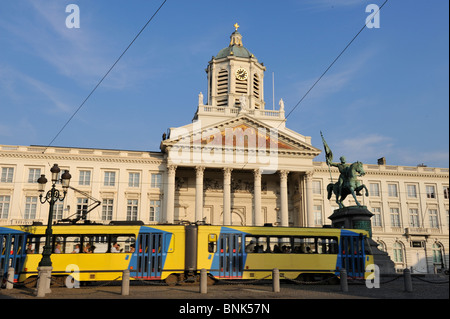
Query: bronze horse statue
(350,184)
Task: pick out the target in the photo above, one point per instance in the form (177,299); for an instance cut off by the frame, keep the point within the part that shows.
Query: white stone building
(236,163)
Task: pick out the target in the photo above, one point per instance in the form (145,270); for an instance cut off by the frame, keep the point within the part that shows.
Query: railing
(202,109)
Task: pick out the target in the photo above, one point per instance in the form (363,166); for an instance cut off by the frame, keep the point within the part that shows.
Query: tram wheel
(30,282)
(172,280)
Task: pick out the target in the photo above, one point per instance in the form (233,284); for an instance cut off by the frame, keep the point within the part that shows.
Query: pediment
(242,133)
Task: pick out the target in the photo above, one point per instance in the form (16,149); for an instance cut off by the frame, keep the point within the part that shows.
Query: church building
(235,163)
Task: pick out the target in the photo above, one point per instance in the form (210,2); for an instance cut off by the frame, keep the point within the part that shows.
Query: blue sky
(386,96)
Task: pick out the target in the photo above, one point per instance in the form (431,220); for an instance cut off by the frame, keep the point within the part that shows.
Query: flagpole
(328,155)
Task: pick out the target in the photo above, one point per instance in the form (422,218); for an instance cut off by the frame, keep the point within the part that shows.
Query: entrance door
(231,255)
(352,255)
(149,256)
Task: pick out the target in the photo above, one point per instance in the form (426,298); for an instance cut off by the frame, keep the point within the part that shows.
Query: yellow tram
(177,252)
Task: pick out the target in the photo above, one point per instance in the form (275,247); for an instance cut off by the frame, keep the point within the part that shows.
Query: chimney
(382,161)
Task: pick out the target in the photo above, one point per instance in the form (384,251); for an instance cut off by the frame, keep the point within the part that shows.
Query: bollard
(125,282)
(44,281)
(344,282)
(275,280)
(203,281)
(408,280)
(10,278)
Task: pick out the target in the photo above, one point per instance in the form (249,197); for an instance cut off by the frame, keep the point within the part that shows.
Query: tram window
(212,243)
(35,244)
(280,245)
(71,245)
(95,244)
(304,245)
(367,249)
(3,241)
(327,245)
(256,245)
(126,244)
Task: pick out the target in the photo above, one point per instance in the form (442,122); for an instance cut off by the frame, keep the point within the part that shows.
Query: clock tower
(235,77)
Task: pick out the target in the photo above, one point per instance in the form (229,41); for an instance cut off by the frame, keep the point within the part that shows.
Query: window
(446,192)
(33,175)
(433,213)
(4,206)
(317,214)
(156,181)
(82,206)
(95,244)
(7,175)
(85,178)
(398,252)
(132,209)
(412,192)
(155,209)
(288,245)
(376,219)
(110,179)
(431,191)
(107,209)
(374,189)
(392,190)
(133,179)
(58,211)
(437,254)
(414,217)
(30,207)
(123,244)
(316,187)
(395,217)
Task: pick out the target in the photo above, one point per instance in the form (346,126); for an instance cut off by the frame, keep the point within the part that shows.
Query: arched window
(398,252)
(437,253)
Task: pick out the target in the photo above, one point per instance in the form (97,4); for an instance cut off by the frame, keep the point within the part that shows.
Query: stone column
(284,198)
(258,220)
(227,196)
(309,199)
(170,203)
(199,193)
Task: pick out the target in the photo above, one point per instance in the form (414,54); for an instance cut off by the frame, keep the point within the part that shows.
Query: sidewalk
(423,288)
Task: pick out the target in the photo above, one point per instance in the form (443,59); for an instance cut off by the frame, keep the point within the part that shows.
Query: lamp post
(52,196)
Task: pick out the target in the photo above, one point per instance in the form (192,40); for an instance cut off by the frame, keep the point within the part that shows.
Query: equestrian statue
(347,182)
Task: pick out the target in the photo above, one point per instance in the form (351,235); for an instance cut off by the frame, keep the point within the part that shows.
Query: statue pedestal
(355,217)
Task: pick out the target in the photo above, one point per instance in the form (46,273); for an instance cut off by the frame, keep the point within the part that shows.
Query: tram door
(13,252)
(231,255)
(149,256)
(352,254)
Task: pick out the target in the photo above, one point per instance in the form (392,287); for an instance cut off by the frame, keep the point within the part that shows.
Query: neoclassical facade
(235,163)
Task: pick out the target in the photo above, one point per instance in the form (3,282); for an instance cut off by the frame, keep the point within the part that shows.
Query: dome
(235,48)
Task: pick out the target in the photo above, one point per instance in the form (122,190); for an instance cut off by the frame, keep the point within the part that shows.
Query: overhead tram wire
(327,69)
(107,73)
(331,65)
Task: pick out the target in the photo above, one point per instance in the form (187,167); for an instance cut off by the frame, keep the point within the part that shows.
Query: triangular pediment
(242,133)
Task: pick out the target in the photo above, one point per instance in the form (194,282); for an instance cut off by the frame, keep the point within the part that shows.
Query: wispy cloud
(365,148)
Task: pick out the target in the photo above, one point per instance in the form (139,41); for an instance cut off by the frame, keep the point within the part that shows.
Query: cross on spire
(236,25)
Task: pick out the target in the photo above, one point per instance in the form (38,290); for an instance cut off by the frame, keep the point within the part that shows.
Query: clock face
(241,74)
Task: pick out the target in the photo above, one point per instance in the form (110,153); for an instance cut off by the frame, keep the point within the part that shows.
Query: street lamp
(52,196)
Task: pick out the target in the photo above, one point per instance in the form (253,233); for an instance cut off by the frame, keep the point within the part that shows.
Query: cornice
(77,157)
(373,172)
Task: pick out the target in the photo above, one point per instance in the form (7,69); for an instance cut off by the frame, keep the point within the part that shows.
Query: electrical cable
(107,73)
